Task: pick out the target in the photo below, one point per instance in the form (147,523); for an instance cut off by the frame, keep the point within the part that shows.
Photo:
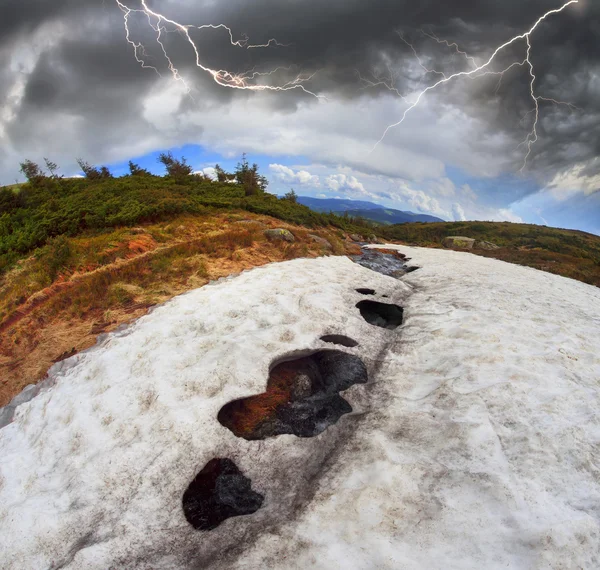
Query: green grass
(570,253)
(32,217)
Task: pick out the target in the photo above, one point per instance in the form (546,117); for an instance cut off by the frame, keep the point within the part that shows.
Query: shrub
(249,178)
(136,170)
(92,172)
(32,172)
(291,196)
(177,169)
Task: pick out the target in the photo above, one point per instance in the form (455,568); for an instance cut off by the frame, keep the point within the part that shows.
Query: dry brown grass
(113,278)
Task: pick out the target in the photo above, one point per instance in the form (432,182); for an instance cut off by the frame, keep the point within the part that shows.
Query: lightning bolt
(482,70)
(159,24)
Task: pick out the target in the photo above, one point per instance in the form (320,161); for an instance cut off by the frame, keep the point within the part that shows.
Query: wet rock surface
(302,397)
(384,315)
(390,263)
(220,491)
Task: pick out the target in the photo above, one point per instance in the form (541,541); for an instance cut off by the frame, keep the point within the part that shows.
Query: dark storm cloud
(93,73)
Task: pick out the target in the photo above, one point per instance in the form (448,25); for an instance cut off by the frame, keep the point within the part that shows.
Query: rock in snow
(474,444)
(459,242)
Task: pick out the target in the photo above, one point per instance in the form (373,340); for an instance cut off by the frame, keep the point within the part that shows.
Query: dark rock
(302,397)
(220,491)
(382,315)
(391,264)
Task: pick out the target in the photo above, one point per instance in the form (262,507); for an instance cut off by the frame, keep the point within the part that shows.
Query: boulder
(321,241)
(356,237)
(486,245)
(459,242)
(280,234)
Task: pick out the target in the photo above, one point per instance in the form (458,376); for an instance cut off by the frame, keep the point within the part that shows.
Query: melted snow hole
(302,397)
(340,339)
(220,491)
(383,315)
(366,291)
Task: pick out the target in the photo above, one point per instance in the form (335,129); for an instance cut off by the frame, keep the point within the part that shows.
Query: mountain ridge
(364,209)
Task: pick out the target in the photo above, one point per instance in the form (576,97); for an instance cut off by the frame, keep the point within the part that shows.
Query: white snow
(476,443)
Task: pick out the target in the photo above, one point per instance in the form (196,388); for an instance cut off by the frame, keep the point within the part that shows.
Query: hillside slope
(56,302)
(390,216)
(569,253)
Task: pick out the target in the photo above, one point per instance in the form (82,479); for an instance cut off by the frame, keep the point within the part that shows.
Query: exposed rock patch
(391,263)
(458,242)
(340,339)
(302,397)
(321,241)
(220,491)
(488,245)
(280,234)
(382,315)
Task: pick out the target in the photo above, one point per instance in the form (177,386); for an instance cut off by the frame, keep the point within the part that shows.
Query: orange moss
(245,416)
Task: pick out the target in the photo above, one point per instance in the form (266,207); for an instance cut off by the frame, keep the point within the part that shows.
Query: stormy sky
(71,87)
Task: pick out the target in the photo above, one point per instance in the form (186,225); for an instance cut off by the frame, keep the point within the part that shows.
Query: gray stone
(459,242)
(486,245)
(281,235)
(320,241)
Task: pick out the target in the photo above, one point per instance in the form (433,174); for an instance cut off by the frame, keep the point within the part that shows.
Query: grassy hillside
(31,217)
(81,257)
(569,253)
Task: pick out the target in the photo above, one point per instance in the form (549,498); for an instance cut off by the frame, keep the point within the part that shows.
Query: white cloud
(468,192)
(567,183)
(344,183)
(289,176)
(443,187)
(458,212)
(421,202)
(208,171)
(507,215)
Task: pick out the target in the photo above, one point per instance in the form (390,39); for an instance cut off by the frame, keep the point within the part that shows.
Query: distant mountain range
(368,210)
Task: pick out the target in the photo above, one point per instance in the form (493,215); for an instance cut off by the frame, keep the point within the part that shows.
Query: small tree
(93,173)
(136,170)
(291,196)
(52,168)
(223,176)
(177,169)
(249,177)
(32,171)
(105,172)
